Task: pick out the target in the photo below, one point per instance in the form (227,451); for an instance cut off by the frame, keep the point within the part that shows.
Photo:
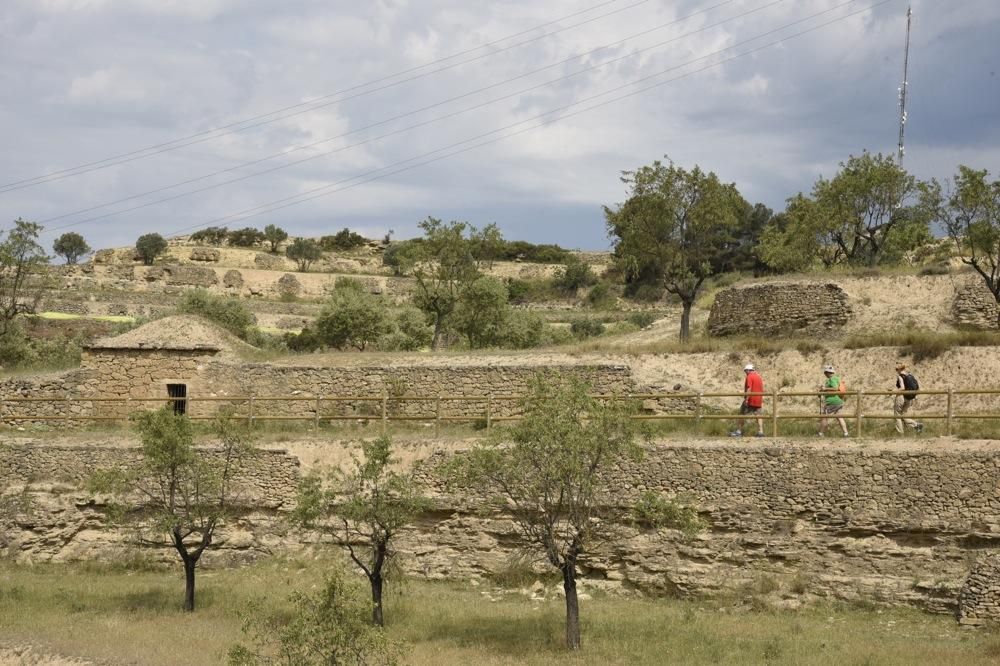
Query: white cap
(748,367)
(829,369)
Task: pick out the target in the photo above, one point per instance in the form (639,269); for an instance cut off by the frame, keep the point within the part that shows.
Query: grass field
(121,615)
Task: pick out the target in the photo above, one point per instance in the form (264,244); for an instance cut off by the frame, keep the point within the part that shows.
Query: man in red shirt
(753,400)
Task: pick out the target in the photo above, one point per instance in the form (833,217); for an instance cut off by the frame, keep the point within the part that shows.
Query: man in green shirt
(832,401)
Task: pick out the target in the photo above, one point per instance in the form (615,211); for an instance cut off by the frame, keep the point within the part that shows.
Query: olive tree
(71,246)
(550,471)
(676,227)
(22,265)
(363,510)
(442,265)
(352,317)
(971,214)
(482,312)
(275,235)
(149,247)
(304,251)
(176,491)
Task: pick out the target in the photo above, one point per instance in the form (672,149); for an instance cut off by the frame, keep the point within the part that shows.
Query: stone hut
(167,359)
(772,308)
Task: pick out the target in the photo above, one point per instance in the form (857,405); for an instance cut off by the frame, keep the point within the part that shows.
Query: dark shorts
(747,409)
(832,409)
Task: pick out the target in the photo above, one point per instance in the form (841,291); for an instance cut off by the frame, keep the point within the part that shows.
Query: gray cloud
(85,79)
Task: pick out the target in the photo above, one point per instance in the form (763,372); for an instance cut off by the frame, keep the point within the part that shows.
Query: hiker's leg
(898,410)
(843,424)
(903,409)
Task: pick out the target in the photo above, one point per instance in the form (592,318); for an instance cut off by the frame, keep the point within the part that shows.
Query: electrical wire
(313,104)
(374,175)
(402,130)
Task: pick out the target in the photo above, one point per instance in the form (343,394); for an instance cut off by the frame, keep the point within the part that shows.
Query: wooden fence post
(949,421)
(251,412)
(385,412)
(316,414)
(489,412)
(774,413)
(437,417)
(697,413)
(857,411)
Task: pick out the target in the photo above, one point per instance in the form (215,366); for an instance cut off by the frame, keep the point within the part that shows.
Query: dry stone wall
(979,599)
(772,308)
(888,524)
(974,305)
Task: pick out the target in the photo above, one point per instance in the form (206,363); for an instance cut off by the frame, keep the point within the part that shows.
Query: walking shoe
(847,434)
(760,434)
(736,433)
(919,428)
(819,434)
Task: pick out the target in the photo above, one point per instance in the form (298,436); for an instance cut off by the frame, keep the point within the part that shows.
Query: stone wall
(979,599)
(771,308)
(885,523)
(974,305)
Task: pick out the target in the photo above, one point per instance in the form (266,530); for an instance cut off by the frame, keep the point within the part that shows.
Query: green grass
(127,615)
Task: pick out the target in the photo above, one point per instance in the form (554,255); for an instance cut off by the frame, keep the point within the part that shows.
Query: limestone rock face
(233,279)
(974,305)
(204,254)
(288,285)
(771,308)
(269,262)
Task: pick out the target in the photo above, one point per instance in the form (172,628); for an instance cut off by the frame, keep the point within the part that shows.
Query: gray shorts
(832,409)
(747,409)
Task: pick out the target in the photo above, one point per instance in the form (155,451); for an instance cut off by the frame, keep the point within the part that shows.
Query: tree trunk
(376,581)
(436,341)
(189,566)
(572,606)
(686,319)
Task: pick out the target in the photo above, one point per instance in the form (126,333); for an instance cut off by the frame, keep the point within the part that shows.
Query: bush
(229,313)
(411,332)
(245,237)
(305,341)
(481,312)
(344,241)
(522,330)
(352,317)
(935,269)
(642,319)
(149,247)
(19,352)
(601,297)
(525,251)
(211,235)
(586,328)
(644,293)
(396,255)
(574,275)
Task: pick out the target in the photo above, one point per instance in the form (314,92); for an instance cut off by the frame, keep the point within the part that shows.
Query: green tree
(675,227)
(482,311)
(487,244)
(149,247)
(177,491)
(230,313)
(411,332)
(522,329)
(344,240)
(211,235)
(971,214)
(552,471)
(442,266)
(573,276)
(304,251)
(871,211)
(22,269)
(352,317)
(71,246)
(245,237)
(371,504)
(275,235)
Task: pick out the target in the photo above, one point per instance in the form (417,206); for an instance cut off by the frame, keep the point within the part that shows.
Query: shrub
(642,319)
(304,251)
(411,332)
(601,297)
(396,255)
(556,335)
(352,317)
(149,247)
(644,293)
(344,240)
(935,269)
(586,328)
(305,341)
(522,330)
(481,312)
(525,251)
(211,235)
(245,237)
(229,313)
(19,352)
(530,291)
(574,275)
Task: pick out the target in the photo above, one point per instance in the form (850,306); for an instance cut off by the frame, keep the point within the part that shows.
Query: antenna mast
(902,88)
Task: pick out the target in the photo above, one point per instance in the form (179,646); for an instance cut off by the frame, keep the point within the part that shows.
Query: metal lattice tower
(902,88)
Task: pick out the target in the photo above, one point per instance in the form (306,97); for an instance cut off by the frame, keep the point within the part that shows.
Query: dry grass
(134,616)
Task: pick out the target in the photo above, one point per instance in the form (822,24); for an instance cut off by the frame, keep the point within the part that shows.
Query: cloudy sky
(336,113)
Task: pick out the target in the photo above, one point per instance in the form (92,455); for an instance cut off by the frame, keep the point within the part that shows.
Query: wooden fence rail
(256,407)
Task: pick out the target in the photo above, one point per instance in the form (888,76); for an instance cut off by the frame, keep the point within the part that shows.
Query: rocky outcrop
(974,305)
(288,286)
(182,276)
(269,262)
(204,254)
(233,279)
(773,308)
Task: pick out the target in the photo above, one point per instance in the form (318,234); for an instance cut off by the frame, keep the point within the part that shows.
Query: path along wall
(891,523)
(779,307)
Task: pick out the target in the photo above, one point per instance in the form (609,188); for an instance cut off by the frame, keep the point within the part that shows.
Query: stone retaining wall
(876,522)
(979,600)
(974,305)
(772,308)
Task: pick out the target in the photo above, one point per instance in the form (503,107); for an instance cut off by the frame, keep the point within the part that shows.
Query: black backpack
(911,385)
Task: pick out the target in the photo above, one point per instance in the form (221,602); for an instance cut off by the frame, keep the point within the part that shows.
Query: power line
(397,117)
(312,105)
(374,175)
